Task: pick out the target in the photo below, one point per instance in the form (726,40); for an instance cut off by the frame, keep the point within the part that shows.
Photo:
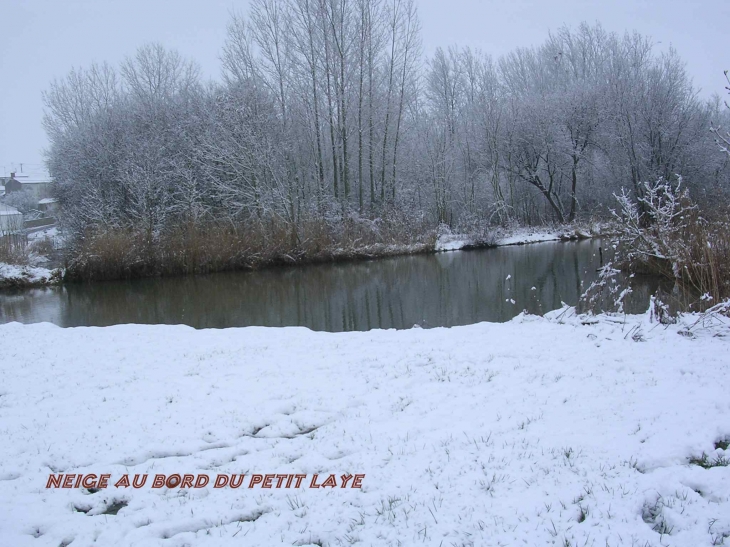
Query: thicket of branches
(665,232)
(327,112)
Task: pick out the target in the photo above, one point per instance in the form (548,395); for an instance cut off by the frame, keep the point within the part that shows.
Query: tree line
(328,110)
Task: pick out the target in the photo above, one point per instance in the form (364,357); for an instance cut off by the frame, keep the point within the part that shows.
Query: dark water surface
(444,289)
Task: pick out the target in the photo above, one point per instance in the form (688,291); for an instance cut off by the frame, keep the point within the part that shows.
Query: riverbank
(518,236)
(105,263)
(22,277)
(559,430)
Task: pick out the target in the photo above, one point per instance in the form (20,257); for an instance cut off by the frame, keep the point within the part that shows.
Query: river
(430,290)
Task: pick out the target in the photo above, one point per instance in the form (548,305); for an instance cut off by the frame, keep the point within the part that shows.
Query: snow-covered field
(540,431)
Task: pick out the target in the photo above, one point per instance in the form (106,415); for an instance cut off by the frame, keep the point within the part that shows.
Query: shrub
(219,246)
(14,248)
(663,233)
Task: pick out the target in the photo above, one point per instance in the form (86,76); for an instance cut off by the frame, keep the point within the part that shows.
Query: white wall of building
(11,220)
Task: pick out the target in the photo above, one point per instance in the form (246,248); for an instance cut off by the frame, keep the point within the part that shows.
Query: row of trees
(326,109)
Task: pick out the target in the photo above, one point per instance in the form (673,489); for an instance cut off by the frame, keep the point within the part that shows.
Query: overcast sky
(43,39)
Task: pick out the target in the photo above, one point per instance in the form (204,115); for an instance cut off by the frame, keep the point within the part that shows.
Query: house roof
(7,210)
(31,173)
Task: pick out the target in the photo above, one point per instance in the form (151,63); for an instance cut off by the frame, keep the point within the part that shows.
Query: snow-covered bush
(662,232)
(23,202)
(654,229)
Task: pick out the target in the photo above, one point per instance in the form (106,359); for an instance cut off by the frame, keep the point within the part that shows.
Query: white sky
(43,39)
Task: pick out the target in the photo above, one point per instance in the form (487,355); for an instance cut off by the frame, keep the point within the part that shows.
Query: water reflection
(445,289)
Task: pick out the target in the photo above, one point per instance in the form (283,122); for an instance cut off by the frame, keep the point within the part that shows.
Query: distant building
(11,220)
(48,205)
(33,181)
(36,182)
(12,184)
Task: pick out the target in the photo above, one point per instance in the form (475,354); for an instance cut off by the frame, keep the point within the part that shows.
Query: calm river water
(444,289)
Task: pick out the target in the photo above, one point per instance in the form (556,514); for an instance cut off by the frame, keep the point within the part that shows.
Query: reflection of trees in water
(432,290)
(31,305)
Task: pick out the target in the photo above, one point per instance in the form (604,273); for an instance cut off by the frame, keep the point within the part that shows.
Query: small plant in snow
(605,294)
(706,462)
(660,311)
(652,514)
(717,315)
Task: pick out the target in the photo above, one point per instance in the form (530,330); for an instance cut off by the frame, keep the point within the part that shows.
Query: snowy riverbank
(34,275)
(15,276)
(530,432)
(516,236)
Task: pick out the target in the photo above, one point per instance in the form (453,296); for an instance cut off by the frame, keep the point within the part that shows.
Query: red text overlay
(178,480)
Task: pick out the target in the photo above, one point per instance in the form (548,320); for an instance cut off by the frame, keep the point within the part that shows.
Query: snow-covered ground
(12,275)
(523,237)
(33,274)
(51,232)
(452,242)
(517,236)
(540,431)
